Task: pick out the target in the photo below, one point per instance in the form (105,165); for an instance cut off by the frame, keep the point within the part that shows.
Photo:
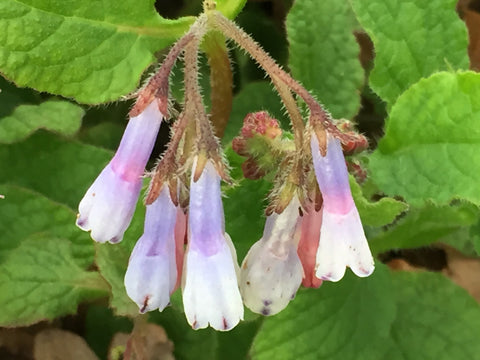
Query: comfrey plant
(312,230)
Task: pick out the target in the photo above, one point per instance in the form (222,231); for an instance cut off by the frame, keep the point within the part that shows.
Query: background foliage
(404,71)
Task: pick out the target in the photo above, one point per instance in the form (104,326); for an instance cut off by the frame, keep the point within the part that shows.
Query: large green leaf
(412,39)
(396,316)
(43,259)
(58,116)
(435,320)
(92,51)
(324,53)
(26,213)
(40,280)
(60,169)
(432,141)
(345,320)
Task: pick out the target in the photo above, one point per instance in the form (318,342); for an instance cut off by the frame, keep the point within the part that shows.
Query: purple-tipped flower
(107,208)
(271,272)
(210,288)
(342,239)
(152,271)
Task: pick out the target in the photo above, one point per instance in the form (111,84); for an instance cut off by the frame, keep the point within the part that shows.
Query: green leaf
(57,116)
(324,53)
(378,213)
(423,226)
(244,213)
(436,319)
(334,322)
(11,97)
(394,316)
(412,39)
(230,8)
(93,52)
(112,261)
(206,344)
(61,170)
(25,213)
(432,141)
(41,280)
(253,97)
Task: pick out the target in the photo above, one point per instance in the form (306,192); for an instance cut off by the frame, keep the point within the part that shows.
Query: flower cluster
(312,230)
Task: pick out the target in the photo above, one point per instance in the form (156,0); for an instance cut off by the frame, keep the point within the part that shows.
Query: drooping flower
(210,288)
(107,208)
(342,239)
(152,270)
(308,246)
(271,272)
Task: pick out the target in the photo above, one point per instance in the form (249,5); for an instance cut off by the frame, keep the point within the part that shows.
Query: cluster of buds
(312,231)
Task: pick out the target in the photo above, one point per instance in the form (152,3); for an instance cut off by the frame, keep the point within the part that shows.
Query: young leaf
(432,141)
(412,39)
(379,213)
(423,226)
(93,52)
(324,53)
(57,116)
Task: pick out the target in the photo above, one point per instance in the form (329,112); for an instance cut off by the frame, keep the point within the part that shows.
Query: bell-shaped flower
(271,272)
(152,270)
(210,287)
(108,206)
(342,239)
(308,246)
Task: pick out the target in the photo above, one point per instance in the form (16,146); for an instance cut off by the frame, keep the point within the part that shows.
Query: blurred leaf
(423,226)
(59,169)
(93,52)
(11,97)
(49,283)
(57,116)
(230,8)
(432,141)
(206,344)
(324,53)
(412,39)
(25,213)
(100,327)
(253,97)
(336,321)
(60,344)
(378,213)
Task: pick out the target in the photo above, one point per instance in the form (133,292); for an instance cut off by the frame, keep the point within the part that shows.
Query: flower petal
(152,271)
(108,206)
(210,288)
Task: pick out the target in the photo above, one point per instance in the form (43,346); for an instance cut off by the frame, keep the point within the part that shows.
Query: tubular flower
(210,289)
(107,208)
(342,239)
(152,271)
(308,246)
(271,272)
